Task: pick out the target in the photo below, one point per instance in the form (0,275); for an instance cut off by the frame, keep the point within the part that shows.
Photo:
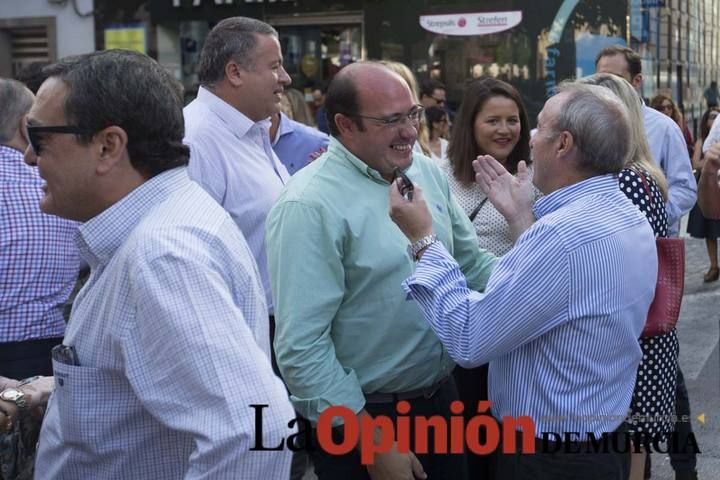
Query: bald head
(355,83)
(16,100)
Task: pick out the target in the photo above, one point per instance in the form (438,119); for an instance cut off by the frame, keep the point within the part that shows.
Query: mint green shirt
(337,262)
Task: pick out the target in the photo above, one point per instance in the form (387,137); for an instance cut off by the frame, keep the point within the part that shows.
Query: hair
(401,69)
(16,100)
(32,75)
(234,39)
(300,110)
(657,102)
(463,147)
(342,97)
(428,87)
(633,59)
(433,115)
(599,124)
(639,154)
(704,129)
(132,91)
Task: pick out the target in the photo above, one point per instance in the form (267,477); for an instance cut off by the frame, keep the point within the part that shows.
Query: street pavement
(698,332)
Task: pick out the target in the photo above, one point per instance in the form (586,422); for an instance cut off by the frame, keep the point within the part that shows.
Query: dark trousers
(300,461)
(437,466)
(20,360)
(682,461)
(472,385)
(562,465)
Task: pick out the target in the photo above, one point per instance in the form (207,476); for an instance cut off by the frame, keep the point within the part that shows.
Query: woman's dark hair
(434,114)
(704,129)
(463,148)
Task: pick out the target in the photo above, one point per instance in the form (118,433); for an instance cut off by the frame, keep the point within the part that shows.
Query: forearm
(520,224)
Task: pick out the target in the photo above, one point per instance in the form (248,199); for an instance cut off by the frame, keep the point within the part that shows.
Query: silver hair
(599,124)
(16,100)
(639,154)
(234,39)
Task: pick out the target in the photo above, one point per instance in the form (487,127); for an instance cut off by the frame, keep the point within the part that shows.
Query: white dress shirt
(669,149)
(232,158)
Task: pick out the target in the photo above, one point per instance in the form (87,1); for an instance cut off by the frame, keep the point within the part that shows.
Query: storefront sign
(128,37)
(470,23)
(196,3)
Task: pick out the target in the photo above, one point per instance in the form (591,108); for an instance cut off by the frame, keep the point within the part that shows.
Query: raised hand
(512,196)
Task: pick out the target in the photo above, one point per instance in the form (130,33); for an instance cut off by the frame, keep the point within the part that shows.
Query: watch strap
(416,247)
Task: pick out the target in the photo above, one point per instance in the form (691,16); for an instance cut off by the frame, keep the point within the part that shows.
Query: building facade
(532,44)
(43,31)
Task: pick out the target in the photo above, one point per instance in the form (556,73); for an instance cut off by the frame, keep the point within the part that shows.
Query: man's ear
(234,73)
(567,142)
(637,81)
(22,128)
(345,124)
(112,144)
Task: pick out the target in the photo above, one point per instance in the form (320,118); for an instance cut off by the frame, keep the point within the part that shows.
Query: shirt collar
(337,148)
(102,235)
(8,150)
(601,184)
(237,121)
(285,127)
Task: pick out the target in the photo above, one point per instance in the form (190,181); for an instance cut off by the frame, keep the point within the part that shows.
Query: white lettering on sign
(471,23)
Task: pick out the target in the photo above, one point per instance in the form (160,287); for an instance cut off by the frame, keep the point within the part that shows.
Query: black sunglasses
(34,134)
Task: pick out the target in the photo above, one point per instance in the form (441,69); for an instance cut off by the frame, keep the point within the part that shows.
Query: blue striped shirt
(562,311)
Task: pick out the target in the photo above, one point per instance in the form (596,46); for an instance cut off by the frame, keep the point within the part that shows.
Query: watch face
(11,395)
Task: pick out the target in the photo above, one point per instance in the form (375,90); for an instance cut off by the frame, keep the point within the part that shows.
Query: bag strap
(474,213)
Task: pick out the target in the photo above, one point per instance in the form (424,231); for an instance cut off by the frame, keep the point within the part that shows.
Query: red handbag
(665,307)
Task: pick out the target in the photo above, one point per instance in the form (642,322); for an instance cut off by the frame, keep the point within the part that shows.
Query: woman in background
(664,104)
(491,121)
(698,225)
(438,128)
(293,105)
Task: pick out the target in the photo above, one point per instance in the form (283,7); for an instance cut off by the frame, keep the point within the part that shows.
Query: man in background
(39,261)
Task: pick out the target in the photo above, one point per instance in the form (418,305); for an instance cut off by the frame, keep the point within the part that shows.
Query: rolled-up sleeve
(308,284)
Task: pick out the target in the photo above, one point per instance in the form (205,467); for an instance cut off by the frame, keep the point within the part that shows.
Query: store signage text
(471,23)
(196,3)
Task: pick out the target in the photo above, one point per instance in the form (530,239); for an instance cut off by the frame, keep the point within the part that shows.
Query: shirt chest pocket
(91,403)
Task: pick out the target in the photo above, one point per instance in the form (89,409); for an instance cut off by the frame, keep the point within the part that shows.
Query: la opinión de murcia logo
(373,435)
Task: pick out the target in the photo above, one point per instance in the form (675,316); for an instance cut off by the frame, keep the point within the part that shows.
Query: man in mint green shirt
(346,333)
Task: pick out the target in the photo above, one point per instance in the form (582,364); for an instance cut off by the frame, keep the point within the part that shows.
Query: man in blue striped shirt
(562,311)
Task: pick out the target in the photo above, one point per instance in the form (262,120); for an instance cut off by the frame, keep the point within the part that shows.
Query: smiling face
(383,94)
(264,81)
(496,128)
(66,165)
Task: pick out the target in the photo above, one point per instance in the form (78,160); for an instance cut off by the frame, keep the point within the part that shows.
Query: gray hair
(599,124)
(16,100)
(639,154)
(234,39)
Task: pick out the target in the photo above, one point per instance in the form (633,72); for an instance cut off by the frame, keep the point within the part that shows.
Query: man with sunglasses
(39,262)
(346,335)
(167,341)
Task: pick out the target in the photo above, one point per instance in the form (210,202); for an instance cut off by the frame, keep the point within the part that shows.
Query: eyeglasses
(34,134)
(665,106)
(413,115)
(440,101)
